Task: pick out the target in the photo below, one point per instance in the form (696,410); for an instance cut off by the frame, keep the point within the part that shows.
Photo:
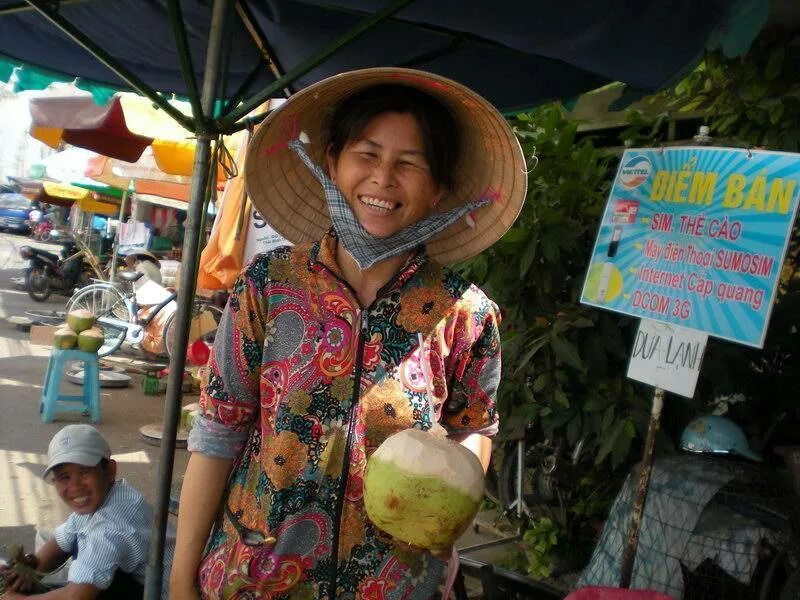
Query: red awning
(78,120)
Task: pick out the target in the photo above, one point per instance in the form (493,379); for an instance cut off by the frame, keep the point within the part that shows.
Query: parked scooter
(41,231)
(47,272)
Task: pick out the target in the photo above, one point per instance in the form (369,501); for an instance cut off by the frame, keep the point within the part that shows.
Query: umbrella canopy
(145,174)
(515,53)
(78,120)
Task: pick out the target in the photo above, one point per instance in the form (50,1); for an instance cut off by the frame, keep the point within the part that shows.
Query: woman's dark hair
(438,127)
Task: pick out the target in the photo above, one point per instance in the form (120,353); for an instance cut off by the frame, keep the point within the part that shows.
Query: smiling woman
(329,347)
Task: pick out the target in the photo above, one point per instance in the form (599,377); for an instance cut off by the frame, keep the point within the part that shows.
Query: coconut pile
(79,331)
(423,488)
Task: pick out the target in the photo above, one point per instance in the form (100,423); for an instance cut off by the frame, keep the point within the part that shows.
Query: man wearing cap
(108,533)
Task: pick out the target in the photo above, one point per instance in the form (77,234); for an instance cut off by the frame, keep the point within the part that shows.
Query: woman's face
(384,175)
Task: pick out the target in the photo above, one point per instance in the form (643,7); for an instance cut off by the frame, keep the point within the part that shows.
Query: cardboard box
(43,335)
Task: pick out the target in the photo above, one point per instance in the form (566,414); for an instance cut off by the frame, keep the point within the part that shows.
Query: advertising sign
(696,237)
(667,356)
(260,237)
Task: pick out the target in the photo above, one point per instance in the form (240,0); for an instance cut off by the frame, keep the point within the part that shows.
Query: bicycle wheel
(104,300)
(198,306)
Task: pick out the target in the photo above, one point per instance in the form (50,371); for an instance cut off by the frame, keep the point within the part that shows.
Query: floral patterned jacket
(304,384)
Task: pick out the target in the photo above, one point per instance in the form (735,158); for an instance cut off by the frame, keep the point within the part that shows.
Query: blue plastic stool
(88,402)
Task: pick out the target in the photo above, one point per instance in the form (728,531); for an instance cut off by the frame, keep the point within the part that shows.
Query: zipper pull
(364,323)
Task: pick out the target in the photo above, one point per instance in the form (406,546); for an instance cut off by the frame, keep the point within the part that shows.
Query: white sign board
(667,356)
(260,237)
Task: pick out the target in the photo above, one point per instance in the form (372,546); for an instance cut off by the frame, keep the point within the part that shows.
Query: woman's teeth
(378,203)
(81,500)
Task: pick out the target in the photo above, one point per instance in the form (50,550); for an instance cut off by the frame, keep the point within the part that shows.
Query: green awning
(106,190)
(28,77)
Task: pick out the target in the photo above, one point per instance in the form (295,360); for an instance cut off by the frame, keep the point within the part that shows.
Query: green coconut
(80,320)
(64,338)
(91,339)
(423,489)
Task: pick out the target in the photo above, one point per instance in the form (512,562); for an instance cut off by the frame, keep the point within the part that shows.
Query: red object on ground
(609,593)
(198,353)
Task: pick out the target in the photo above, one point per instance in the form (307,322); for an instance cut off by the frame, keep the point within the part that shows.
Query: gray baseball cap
(80,444)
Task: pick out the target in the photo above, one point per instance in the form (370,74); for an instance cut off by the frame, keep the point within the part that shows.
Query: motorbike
(42,230)
(47,272)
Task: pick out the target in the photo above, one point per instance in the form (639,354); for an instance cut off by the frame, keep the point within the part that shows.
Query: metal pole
(182,46)
(191,248)
(645,471)
(115,250)
(294,74)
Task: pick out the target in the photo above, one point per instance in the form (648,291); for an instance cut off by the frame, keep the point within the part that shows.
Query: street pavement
(26,500)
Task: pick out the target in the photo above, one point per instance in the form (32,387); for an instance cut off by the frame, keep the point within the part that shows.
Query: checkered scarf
(366,249)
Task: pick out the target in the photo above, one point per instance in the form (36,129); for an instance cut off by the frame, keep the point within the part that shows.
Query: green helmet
(713,434)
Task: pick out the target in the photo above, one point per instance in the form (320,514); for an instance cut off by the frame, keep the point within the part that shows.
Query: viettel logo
(635,172)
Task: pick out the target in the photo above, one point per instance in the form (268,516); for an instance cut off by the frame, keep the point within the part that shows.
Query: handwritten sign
(696,237)
(667,356)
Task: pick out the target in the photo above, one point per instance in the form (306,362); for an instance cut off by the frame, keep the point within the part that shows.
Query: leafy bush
(563,363)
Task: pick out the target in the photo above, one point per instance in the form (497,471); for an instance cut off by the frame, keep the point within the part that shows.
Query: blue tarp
(516,53)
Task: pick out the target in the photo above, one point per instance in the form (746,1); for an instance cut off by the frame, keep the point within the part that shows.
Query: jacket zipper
(347,448)
(362,335)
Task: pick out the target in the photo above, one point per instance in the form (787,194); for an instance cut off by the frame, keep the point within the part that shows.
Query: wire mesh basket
(712,528)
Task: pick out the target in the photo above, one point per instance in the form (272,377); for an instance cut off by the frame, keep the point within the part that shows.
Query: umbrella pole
(115,251)
(191,247)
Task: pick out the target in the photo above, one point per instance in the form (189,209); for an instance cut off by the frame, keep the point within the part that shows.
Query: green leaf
(622,444)
(514,236)
(566,352)
(694,104)
(540,382)
(560,397)
(608,442)
(535,346)
(775,63)
(574,429)
(582,322)
(596,404)
(630,429)
(480,266)
(776,112)
(527,258)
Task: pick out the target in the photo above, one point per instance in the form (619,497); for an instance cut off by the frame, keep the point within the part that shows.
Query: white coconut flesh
(422,489)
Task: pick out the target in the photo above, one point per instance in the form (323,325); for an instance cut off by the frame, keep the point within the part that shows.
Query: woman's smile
(379,206)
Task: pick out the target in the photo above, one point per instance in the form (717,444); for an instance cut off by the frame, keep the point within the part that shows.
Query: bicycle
(118,312)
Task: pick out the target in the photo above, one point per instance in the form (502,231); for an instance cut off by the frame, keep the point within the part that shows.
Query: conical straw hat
(491,162)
